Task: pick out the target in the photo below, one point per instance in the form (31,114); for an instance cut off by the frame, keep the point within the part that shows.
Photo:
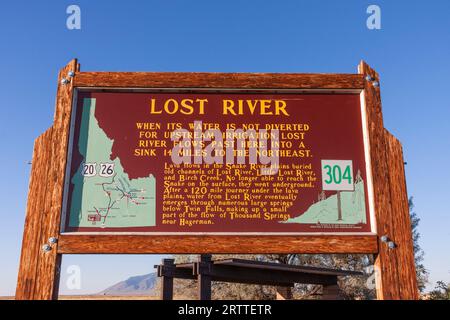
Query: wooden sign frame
(43,244)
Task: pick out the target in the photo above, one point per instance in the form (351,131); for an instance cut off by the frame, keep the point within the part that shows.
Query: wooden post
(396,276)
(38,276)
(204,277)
(331,291)
(284,293)
(165,271)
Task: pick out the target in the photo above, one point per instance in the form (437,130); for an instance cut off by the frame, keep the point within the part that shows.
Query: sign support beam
(40,262)
(395,267)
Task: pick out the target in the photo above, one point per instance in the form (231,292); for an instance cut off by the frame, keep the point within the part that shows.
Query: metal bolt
(65,81)
(46,247)
(376,84)
(369,78)
(384,238)
(71,74)
(391,245)
(52,240)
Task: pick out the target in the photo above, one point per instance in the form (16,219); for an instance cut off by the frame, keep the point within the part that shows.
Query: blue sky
(410,52)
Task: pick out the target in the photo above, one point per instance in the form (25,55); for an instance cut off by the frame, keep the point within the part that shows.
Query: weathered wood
(390,200)
(166,279)
(383,210)
(31,245)
(331,291)
(401,232)
(171,271)
(140,244)
(255,272)
(265,276)
(282,276)
(236,262)
(39,271)
(203,272)
(218,80)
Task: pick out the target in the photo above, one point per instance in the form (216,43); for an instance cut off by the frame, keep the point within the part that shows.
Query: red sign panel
(213,163)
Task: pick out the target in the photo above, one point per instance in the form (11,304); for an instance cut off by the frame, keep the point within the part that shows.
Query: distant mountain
(137,285)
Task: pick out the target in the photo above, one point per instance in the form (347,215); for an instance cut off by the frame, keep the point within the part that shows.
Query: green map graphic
(326,210)
(103,195)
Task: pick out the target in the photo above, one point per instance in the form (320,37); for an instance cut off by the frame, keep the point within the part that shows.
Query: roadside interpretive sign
(217,163)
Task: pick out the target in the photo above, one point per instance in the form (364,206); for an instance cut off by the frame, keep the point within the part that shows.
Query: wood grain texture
(30,255)
(136,244)
(401,227)
(383,211)
(38,271)
(218,80)
(390,199)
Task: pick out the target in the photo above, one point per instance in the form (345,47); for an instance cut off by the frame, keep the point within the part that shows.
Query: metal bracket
(391,244)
